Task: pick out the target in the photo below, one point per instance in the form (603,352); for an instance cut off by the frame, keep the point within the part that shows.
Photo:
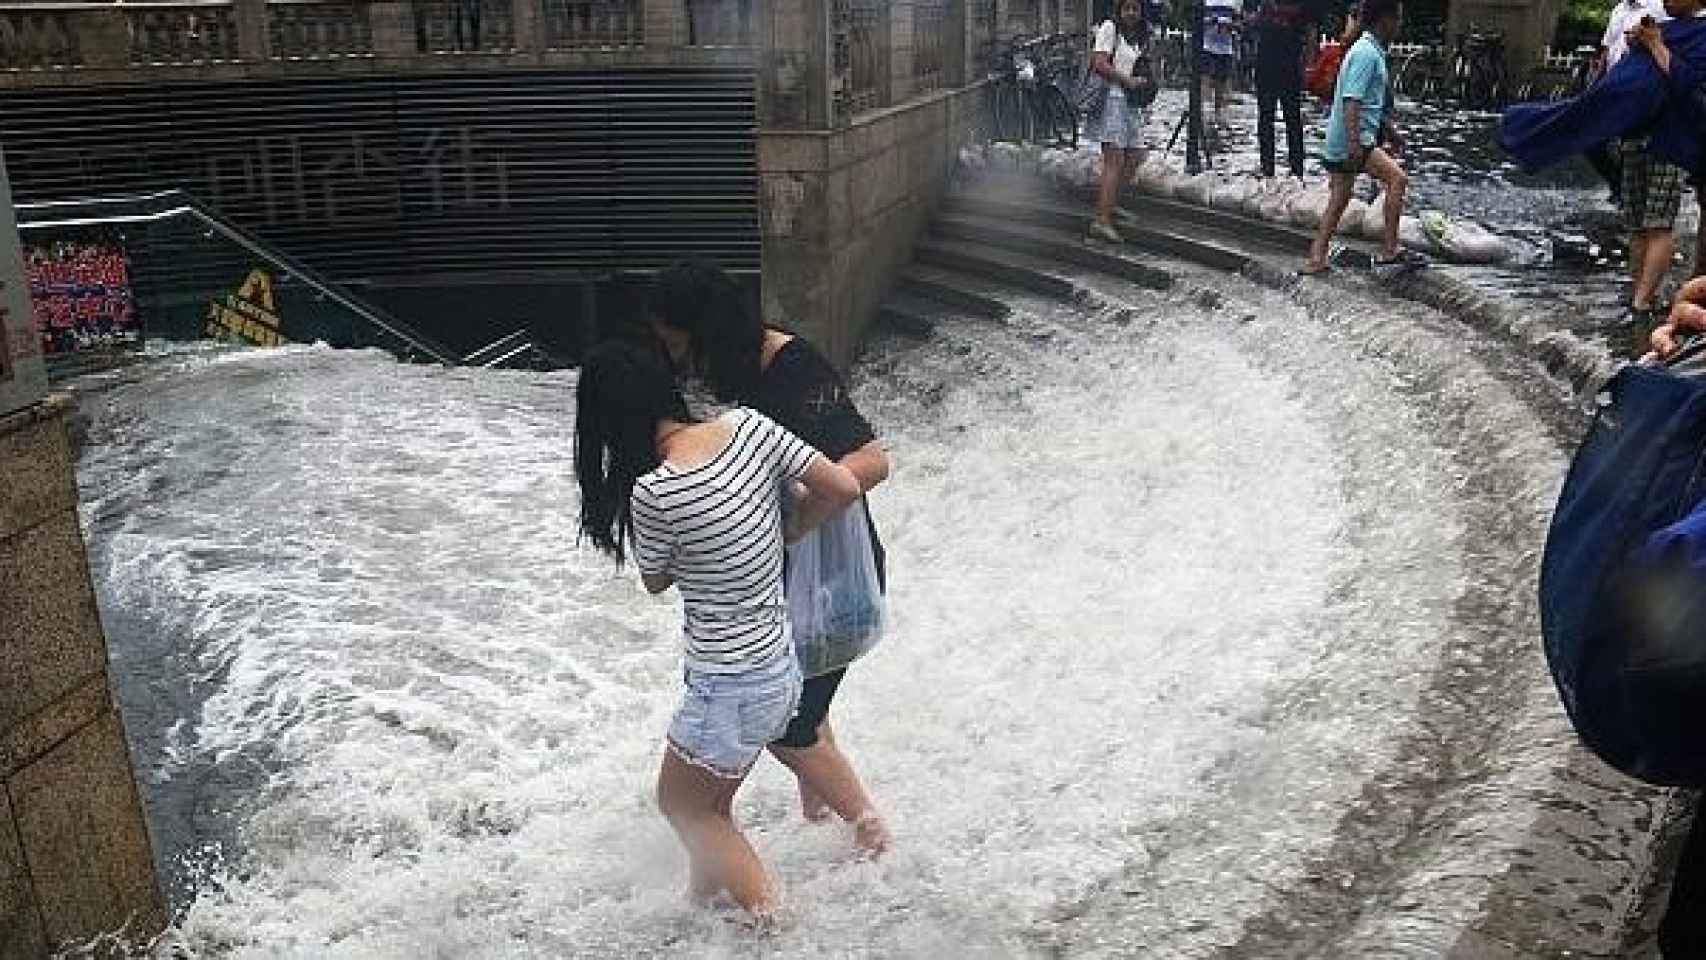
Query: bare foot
(812,805)
(702,891)
(871,834)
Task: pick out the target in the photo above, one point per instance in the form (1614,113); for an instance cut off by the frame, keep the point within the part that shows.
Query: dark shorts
(815,697)
(1216,66)
(1347,166)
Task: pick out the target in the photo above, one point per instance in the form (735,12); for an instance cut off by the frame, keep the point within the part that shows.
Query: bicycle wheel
(1056,121)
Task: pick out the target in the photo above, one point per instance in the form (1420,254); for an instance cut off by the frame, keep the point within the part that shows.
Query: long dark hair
(1138,36)
(625,389)
(726,339)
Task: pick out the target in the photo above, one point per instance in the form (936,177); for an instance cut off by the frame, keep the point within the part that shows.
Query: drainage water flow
(1175,598)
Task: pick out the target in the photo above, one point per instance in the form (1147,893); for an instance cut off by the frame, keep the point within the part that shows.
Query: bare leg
(1637,258)
(699,806)
(1338,198)
(1112,159)
(827,771)
(1657,249)
(1386,170)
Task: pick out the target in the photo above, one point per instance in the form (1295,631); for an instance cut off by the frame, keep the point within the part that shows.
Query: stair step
(914,316)
(1051,245)
(998,265)
(1147,233)
(942,287)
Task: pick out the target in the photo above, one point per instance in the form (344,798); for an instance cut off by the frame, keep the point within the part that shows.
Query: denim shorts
(727,719)
(1122,122)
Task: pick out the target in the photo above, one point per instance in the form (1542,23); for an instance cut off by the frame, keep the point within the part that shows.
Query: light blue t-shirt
(1362,77)
(1218,20)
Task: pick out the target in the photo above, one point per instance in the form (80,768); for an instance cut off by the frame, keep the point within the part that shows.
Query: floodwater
(1213,636)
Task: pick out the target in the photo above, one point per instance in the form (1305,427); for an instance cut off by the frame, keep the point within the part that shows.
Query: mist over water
(1169,590)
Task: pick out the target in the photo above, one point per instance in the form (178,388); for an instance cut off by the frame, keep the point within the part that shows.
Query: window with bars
(868,55)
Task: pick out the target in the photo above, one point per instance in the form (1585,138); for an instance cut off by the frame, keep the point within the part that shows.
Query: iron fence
(39,38)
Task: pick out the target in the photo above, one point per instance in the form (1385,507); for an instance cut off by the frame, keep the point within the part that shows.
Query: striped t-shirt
(717,528)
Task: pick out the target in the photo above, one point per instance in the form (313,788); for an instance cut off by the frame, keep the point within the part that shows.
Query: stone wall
(839,212)
(75,860)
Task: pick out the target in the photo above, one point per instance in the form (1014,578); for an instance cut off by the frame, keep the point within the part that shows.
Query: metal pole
(1193,138)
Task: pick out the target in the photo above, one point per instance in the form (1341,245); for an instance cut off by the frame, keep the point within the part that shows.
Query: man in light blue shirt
(1361,108)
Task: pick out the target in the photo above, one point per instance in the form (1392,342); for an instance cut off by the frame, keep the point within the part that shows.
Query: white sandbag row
(1277,201)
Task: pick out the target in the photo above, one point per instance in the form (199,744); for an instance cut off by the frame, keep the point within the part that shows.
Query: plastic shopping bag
(835,602)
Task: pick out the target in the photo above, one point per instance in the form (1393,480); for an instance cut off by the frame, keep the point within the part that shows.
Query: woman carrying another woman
(699,313)
(700,505)
(1122,58)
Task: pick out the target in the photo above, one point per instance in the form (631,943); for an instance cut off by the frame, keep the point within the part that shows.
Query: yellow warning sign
(249,315)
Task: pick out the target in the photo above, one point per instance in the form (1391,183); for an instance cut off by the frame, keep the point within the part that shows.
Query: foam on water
(1161,611)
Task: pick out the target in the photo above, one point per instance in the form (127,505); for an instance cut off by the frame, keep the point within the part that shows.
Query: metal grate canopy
(389,178)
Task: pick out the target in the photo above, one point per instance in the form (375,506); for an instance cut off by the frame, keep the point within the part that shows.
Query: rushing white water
(1165,595)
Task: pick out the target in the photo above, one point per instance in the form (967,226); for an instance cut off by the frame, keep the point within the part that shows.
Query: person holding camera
(1122,58)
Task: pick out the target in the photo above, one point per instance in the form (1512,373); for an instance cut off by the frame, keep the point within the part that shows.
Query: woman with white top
(700,505)
(1122,58)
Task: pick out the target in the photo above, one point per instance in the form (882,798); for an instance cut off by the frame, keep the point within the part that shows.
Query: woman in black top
(699,313)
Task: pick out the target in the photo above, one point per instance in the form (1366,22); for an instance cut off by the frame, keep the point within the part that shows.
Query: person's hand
(1647,34)
(1688,316)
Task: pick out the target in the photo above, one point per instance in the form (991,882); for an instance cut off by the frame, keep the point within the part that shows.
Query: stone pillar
(75,860)
(23,380)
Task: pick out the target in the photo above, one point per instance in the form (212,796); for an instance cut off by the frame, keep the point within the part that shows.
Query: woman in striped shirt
(700,505)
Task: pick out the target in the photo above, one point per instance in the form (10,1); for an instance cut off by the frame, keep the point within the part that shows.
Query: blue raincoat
(1634,99)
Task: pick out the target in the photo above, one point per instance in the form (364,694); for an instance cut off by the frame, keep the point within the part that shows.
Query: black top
(1281,33)
(801,391)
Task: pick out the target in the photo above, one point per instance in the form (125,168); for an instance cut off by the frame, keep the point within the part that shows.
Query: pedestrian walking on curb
(1282,29)
(1122,57)
(1355,131)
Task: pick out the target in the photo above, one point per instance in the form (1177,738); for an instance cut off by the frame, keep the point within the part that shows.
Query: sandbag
(1196,189)
(1463,241)
(1374,221)
(1623,585)
(1351,223)
(835,599)
(1229,195)
(1151,175)
(1253,198)
(1305,207)
(1275,206)
(1411,235)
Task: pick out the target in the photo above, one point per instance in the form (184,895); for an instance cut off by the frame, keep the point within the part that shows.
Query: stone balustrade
(55,42)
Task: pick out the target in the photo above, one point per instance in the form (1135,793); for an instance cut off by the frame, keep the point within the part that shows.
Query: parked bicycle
(1029,103)
(1478,75)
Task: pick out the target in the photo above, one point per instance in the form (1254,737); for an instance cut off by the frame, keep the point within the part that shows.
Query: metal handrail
(502,343)
(178,203)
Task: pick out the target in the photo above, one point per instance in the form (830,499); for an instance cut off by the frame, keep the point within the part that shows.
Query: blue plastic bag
(1623,580)
(835,599)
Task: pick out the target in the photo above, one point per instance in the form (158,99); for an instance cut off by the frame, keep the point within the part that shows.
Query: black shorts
(1347,165)
(815,697)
